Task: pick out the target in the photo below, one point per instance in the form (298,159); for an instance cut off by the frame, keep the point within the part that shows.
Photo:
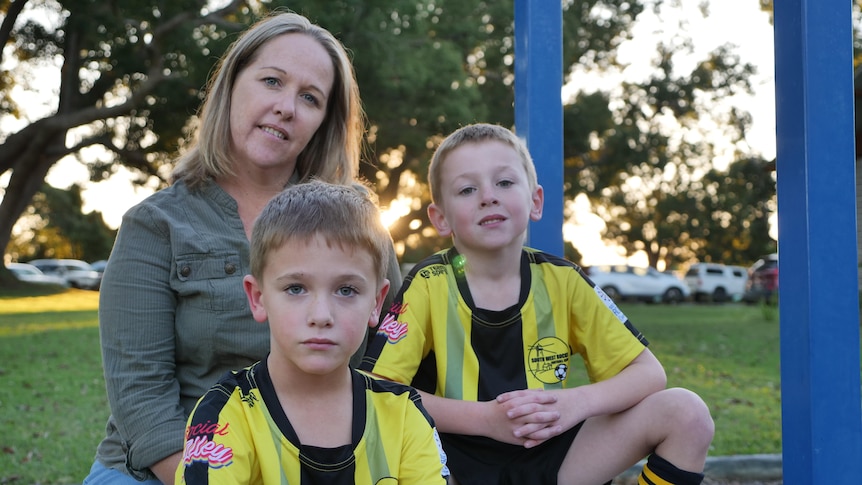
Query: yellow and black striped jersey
(238,433)
(435,338)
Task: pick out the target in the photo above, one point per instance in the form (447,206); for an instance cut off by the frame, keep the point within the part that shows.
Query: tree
(131,73)
(734,207)
(58,228)
(639,152)
(129,79)
(452,64)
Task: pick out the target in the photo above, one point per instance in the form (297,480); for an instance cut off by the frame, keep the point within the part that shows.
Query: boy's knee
(689,412)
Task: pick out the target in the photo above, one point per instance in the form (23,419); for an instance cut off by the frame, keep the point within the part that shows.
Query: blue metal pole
(539,109)
(818,280)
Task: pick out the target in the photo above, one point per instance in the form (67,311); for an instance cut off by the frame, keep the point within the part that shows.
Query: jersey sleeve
(218,442)
(423,459)
(605,338)
(403,337)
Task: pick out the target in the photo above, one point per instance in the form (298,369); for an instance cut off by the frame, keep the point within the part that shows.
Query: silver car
(31,274)
(79,274)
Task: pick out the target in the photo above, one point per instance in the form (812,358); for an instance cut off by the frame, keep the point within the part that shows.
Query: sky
(739,22)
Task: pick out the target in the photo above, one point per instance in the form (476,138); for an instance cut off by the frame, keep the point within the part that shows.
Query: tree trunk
(30,166)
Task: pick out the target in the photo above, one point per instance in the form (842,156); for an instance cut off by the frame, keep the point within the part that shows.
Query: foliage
(452,64)
(639,153)
(131,77)
(424,69)
(59,229)
(729,217)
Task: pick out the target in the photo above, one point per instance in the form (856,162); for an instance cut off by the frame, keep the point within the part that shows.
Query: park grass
(53,406)
(729,355)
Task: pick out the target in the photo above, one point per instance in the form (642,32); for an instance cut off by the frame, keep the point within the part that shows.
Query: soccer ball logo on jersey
(549,360)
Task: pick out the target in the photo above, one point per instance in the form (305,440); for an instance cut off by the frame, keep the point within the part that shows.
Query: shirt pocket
(211,282)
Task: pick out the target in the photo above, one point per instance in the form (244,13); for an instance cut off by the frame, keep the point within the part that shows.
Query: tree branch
(15,9)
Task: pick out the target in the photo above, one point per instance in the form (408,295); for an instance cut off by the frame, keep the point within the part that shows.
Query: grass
(729,355)
(53,405)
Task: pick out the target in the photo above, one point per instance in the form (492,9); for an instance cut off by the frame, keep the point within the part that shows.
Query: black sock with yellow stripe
(659,471)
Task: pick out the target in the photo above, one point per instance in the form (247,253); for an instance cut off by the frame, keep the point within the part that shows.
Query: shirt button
(230,268)
(185,271)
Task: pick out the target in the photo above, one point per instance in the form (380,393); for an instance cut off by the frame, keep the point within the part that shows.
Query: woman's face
(277,104)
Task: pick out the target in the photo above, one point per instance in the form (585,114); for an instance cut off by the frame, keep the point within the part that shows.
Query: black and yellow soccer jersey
(238,433)
(435,338)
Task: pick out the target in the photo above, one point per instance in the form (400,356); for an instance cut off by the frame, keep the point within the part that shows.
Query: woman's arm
(136,321)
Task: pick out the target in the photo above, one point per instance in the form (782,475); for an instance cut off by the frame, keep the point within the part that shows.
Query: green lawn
(53,406)
(728,354)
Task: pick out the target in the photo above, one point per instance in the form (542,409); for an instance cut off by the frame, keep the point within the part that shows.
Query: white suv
(716,281)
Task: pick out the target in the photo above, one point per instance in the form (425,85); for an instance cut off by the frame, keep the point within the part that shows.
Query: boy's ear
(538,202)
(436,216)
(255,298)
(374,319)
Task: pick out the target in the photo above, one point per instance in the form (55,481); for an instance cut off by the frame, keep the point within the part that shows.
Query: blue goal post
(816,171)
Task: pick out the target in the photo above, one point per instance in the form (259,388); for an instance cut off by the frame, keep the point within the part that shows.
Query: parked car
(762,280)
(79,274)
(716,282)
(31,274)
(621,282)
(99,265)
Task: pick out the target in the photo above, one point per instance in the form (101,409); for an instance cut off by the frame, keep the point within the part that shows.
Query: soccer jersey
(435,338)
(238,433)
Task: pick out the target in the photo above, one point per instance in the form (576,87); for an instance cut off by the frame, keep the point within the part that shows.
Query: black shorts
(476,460)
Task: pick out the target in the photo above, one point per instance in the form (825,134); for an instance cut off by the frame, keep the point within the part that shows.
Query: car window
(639,271)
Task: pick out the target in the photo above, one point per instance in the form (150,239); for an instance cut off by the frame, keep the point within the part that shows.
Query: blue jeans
(100,475)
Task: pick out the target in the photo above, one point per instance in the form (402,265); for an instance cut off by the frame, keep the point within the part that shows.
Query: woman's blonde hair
(333,152)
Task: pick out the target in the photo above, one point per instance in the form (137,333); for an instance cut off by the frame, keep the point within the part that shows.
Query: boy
(302,415)
(486,329)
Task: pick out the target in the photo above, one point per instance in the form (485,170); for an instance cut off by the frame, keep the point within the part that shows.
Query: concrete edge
(738,467)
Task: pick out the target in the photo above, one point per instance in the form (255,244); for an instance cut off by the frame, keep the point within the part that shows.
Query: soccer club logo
(549,360)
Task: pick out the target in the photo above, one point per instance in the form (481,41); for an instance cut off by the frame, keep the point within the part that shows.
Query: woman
(282,107)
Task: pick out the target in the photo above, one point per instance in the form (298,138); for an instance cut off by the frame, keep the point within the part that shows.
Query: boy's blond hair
(344,215)
(473,134)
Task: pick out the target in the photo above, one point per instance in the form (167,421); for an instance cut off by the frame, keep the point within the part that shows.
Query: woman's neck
(251,197)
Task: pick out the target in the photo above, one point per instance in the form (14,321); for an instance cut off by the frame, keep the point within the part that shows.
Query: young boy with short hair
(302,415)
(486,330)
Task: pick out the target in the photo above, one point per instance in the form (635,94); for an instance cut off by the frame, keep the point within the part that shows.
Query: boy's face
(485,201)
(319,300)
